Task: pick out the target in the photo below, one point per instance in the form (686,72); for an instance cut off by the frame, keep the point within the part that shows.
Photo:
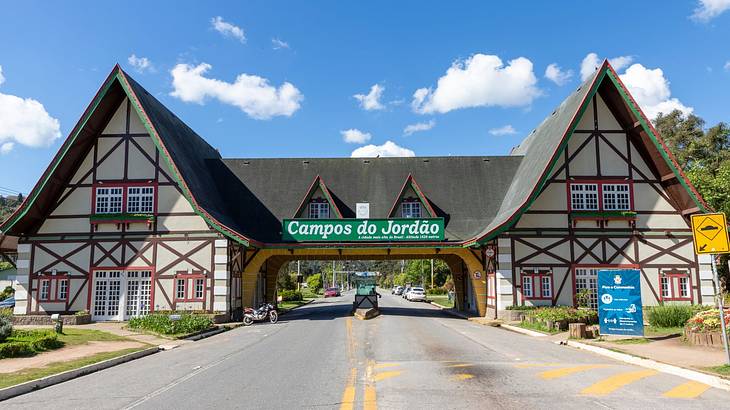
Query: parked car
(332,292)
(8,303)
(405,291)
(416,294)
(397,290)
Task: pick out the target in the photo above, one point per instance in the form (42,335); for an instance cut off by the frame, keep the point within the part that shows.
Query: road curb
(697,376)
(523,331)
(449,311)
(206,334)
(33,385)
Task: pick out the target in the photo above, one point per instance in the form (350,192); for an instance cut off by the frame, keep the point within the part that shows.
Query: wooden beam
(636,125)
(668,177)
(690,211)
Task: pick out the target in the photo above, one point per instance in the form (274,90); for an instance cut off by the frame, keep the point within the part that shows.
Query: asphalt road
(413,356)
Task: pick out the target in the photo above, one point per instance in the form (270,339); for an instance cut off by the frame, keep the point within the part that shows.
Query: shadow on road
(331,311)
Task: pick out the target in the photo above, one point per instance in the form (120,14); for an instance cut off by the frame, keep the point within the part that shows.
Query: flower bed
(705,329)
(559,317)
(164,324)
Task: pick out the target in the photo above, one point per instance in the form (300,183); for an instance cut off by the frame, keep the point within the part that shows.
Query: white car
(416,294)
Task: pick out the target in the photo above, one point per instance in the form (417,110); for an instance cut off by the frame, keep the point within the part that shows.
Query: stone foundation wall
(45,320)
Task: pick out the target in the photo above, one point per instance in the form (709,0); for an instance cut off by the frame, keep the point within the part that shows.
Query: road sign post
(709,232)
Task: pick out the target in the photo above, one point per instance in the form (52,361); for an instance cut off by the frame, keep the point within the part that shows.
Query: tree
(314,282)
(704,155)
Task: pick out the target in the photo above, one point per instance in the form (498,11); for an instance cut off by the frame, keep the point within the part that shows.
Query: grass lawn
(651,331)
(23,376)
(442,300)
(285,306)
(72,337)
(538,327)
(723,370)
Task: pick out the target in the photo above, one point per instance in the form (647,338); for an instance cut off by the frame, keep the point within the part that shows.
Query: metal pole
(299,285)
(333,274)
(431,273)
(720,307)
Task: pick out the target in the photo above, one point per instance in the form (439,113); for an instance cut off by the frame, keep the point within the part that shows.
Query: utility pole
(333,273)
(431,273)
(299,272)
(720,304)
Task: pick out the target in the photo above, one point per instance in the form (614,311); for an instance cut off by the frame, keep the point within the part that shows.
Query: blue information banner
(619,302)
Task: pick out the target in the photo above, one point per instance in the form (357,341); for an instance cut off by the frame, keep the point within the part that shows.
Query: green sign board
(363,230)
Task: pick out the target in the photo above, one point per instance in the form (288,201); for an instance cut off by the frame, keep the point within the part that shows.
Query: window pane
(665,287)
(180,289)
(140,199)
(616,197)
(63,289)
(45,289)
(546,288)
(319,210)
(684,287)
(584,197)
(527,286)
(108,200)
(411,210)
(199,288)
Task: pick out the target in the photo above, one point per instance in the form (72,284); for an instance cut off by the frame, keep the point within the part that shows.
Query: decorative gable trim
(318,183)
(411,182)
(117,74)
(604,71)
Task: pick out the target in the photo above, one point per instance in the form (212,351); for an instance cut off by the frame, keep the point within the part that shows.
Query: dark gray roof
(466,191)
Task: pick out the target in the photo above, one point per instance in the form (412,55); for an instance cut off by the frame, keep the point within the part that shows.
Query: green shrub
(6,328)
(29,342)
(670,315)
(7,292)
(520,307)
(560,313)
(436,291)
(314,282)
(161,323)
(291,296)
(81,313)
(6,312)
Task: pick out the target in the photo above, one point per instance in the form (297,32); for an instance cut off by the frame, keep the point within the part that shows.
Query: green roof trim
(8,224)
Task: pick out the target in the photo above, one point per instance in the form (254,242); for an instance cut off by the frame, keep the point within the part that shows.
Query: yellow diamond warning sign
(710,233)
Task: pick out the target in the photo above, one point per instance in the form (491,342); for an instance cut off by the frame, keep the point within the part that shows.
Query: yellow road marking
(383,365)
(386,375)
(348,397)
(371,399)
(460,365)
(567,371)
(688,390)
(607,386)
(462,376)
(529,365)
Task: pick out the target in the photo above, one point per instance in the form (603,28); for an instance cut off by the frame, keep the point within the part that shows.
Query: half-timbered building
(137,213)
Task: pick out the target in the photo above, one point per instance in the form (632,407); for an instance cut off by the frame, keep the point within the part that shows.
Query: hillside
(8,204)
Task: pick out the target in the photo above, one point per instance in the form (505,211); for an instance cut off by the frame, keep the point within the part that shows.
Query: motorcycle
(266,310)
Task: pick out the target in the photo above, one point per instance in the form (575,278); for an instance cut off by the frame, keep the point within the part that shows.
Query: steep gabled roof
(543,147)
(318,183)
(184,151)
(411,182)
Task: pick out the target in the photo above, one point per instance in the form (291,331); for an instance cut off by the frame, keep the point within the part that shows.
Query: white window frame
(109,200)
(546,288)
(198,288)
(527,287)
(616,197)
(581,195)
(62,289)
(141,199)
(45,290)
(319,210)
(411,209)
(665,287)
(178,290)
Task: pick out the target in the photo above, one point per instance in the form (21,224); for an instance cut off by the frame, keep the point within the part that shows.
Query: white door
(107,295)
(119,295)
(138,293)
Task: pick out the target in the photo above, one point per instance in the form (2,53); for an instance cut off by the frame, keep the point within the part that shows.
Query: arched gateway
(138,213)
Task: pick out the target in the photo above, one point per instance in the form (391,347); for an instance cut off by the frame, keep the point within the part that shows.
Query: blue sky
(297,99)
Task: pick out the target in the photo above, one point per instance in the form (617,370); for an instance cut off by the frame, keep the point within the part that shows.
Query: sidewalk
(670,350)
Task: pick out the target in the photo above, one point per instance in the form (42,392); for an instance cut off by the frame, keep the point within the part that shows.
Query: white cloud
(554,73)
(140,64)
(479,81)
(252,94)
(419,126)
(389,149)
(708,9)
(228,29)
(2,78)
(726,67)
(591,62)
(505,130)
(6,147)
(355,136)
(651,91)
(371,101)
(278,44)
(25,121)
